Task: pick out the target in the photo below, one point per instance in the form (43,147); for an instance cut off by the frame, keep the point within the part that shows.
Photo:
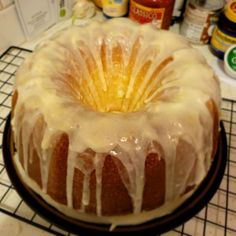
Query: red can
(159,12)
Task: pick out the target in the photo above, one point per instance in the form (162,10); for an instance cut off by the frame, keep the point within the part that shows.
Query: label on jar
(115,8)
(143,14)
(197,24)
(232,59)
(221,41)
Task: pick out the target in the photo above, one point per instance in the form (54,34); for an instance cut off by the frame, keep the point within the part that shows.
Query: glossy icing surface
(120,89)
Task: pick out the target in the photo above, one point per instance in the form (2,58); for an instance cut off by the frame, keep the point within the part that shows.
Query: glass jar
(159,12)
(114,8)
(200,19)
(224,34)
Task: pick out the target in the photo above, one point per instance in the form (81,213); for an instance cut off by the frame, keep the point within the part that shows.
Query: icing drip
(134,162)
(69,177)
(86,192)
(124,93)
(98,162)
(26,131)
(85,163)
(44,165)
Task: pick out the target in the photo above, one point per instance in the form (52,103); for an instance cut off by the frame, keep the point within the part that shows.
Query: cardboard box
(35,16)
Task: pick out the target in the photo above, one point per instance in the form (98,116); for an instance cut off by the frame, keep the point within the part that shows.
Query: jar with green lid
(224,34)
(230,61)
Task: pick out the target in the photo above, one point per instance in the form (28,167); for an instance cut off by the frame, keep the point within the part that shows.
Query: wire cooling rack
(218,218)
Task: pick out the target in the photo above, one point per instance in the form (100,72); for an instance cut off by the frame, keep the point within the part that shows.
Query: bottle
(224,34)
(115,8)
(159,12)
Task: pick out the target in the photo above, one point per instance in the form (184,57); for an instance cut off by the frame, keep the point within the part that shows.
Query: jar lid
(230,11)
(213,5)
(230,61)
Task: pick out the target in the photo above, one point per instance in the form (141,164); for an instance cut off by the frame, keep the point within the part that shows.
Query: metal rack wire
(217,218)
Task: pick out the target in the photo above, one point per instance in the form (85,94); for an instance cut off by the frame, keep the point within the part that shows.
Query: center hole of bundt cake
(113,98)
(107,84)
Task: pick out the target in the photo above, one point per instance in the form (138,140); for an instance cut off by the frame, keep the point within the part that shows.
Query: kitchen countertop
(13,227)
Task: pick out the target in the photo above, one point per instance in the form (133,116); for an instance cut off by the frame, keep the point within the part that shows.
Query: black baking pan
(187,210)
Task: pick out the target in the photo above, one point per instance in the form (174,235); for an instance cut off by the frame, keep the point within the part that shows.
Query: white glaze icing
(130,219)
(119,104)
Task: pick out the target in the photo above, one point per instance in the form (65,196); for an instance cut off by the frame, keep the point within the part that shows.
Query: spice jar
(159,12)
(199,19)
(114,8)
(224,34)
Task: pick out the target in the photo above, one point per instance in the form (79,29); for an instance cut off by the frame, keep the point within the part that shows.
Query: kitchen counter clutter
(217,218)
(228,84)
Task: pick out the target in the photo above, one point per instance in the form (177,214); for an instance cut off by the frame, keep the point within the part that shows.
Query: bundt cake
(116,122)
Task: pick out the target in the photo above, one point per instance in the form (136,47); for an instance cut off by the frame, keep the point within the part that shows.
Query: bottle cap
(230,61)
(230,11)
